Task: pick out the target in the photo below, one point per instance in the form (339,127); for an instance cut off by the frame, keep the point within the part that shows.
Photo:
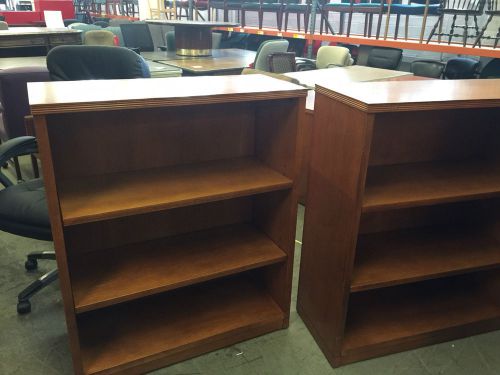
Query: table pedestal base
(193,40)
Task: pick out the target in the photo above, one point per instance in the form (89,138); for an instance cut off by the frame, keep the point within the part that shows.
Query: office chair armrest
(16,147)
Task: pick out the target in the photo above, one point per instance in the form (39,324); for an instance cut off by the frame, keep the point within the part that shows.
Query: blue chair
(299,8)
(413,8)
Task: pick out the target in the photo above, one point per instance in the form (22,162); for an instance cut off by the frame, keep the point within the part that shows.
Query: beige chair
(4,25)
(331,56)
(99,38)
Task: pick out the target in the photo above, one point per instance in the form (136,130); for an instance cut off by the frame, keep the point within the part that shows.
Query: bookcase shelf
(173,212)
(409,255)
(133,192)
(419,184)
(102,277)
(421,313)
(124,336)
(401,243)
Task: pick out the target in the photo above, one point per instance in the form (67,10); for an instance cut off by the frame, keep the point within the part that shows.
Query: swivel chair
(265,49)
(73,63)
(385,58)
(461,68)
(428,68)
(23,212)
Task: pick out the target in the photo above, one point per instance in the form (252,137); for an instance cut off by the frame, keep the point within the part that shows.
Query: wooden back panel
(409,137)
(174,135)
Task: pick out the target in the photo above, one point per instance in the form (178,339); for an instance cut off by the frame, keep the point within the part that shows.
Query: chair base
(24,304)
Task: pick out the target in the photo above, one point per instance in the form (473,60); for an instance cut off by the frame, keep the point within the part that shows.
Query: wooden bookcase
(173,209)
(401,243)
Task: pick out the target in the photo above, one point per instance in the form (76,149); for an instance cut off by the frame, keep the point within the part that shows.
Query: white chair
(327,57)
(331,56)
(265,49)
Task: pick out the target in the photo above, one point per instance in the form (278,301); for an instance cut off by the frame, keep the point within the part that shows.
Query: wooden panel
(58,239)
(175,326)
(122,194)
(305,139)
(173,136)
(102,278)
(98,95)
(405,256)
(395,319)
(457,213)
(276,213)
(411,185)
(434,135)
(340,148)
(137,228)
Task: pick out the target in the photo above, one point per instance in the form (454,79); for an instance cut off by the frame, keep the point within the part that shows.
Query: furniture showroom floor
(36,343)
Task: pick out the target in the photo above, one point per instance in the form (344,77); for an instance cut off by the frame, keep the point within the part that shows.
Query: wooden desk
(223,61)
(157,70)
(193,38)
(21,37)
(354,73)
(346,73)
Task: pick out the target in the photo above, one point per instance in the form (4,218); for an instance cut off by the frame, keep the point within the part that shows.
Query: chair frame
(288,55)
(261,11)
(492,11)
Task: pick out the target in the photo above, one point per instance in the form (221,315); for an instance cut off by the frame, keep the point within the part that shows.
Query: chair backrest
(73,63)
(281,62)
(385,58)
(464,5)
(461,68)
(331,56)
(99,38)
(428,68)
(14,97)
(265,49)
(137,35)
(4,25)
(491,70)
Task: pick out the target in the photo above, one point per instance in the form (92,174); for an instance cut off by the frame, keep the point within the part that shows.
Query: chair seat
(413,9)
(296,7)
(256,6)
(23,210)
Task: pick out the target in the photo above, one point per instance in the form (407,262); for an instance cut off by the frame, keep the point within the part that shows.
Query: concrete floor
(37,344)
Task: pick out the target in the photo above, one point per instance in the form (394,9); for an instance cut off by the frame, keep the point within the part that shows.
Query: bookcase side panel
(45,149)
(276,131)
(339,157)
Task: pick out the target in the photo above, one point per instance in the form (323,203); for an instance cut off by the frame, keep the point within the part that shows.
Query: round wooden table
(193,38)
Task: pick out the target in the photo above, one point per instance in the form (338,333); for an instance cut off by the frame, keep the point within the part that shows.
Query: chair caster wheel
(23,307)
(31,264)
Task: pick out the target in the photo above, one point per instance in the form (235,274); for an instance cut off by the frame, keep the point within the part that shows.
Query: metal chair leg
(23,304)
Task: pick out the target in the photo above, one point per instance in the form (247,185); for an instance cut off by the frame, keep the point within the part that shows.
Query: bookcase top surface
(96,95)
(395,96)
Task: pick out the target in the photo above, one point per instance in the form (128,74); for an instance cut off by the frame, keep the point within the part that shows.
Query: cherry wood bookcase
(173,209)
(401,243)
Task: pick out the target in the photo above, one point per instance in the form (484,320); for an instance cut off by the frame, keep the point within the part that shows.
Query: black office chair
(73,63)
(491,70)
(428,68)
(137,35)
(461,68)
(385,58)
(23,212)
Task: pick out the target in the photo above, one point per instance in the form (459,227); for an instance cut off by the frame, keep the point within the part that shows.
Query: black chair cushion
(385,58)
(23,210)
(74,63)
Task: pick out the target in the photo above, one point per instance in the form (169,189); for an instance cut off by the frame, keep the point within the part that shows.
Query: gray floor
(37,343)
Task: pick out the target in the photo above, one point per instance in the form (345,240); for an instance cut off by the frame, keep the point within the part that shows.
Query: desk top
(220,61)
(21,31)
(194,23)
(354,73)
